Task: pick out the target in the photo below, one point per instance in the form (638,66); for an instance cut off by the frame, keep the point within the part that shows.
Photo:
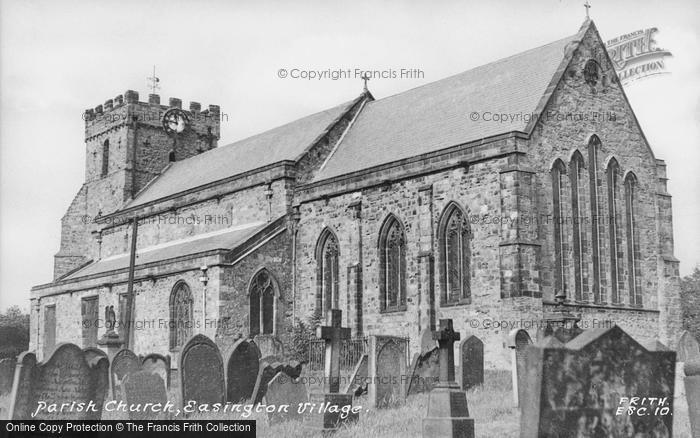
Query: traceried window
(576,168)
(105,158)
(633,255)
(262,304)
(327,272)
(613,176)
(392,266)
(455,257)
(181,314)
(558,189)
(593,147)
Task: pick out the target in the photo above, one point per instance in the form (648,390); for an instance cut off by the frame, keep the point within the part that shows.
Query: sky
(58,58)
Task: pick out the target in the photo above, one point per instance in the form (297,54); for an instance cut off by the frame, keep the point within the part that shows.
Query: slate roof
(226,239)
(437,115)
(428,118)
(286,142)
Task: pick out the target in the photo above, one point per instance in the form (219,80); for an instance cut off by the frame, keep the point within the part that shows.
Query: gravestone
(143,387)
(688,348)
(242,370)
(284,389)
(269,345)
(471,352)
(269,367)
(331,419)
(66,377)
(518,340)
(387,370)
(692,395)
(7,374)
(448,414)
(123,363)
(576,389)
(202,372)
(157,364)
(359,377)
(92,352)
(424,372)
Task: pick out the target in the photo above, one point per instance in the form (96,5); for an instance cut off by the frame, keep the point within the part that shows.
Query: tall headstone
(202,372)
(471,351)
(157,364)
(124,362)
(448,414)
(242,369)
(142,387)
(518,340)
(387,370)
(7,374)
(584,387)
(688,348)
(66,377)
(284,389)
(334,335)
(692,395)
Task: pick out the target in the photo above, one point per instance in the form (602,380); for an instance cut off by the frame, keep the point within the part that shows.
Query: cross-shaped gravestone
(448,414)
(446,337)
(333,334)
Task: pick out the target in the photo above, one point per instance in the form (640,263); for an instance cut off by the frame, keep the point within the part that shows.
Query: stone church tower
(493,197)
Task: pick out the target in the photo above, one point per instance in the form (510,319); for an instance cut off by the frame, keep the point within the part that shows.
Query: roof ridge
(516,55)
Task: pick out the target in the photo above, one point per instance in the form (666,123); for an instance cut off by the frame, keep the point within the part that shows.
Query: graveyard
(571,383)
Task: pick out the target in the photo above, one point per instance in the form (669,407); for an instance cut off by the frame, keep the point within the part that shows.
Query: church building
(491,197)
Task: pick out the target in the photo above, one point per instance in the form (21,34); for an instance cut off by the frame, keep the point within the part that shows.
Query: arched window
(558,194)
(577,210)
(612,175)
(392,266)
(181,314)
(633,255)
(327,272)
(105,157)
(455,256)
(593,146)
(262,304)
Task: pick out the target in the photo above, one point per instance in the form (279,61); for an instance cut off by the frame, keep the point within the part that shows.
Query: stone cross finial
(587,6)
(446,337)
(365,78)
(334,334)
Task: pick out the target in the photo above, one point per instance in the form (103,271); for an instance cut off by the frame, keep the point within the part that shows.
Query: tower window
(105,158)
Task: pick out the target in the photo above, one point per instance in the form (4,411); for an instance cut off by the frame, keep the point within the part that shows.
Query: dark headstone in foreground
(202,372)
(144,387)
(575,390)
(7,374)
(242,370)
(66,377)
(283,389)
(471,352)
(448,414)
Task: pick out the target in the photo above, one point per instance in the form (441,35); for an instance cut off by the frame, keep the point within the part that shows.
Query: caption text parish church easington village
(399,211)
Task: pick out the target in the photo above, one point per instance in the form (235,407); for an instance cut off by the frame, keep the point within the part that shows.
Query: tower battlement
(128,109)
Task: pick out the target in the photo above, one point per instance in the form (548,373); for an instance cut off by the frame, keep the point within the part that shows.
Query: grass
(490,405)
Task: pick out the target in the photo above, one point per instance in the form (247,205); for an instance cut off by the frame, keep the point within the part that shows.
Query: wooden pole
(129,334)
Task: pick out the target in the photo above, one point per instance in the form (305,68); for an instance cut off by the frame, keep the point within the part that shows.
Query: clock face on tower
(174,121)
